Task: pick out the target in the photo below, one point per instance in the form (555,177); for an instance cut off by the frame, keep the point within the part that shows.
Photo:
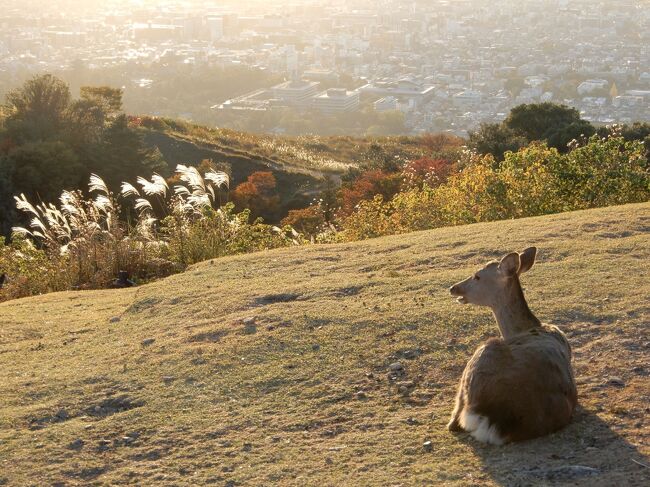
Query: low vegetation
(85,243)
(535,180)
(310,189)
(327,365)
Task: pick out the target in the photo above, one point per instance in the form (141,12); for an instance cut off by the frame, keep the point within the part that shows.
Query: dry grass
(271,368)
(311,154)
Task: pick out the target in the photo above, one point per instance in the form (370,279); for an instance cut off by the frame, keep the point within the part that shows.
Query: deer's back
(525,384)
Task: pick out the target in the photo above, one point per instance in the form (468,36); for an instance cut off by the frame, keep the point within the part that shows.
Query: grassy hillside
(312,155)
(273,368)
(301,165)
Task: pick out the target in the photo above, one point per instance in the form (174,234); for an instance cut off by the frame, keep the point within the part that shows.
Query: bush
(535,180)
(84,244)
(367,186)
(308,221)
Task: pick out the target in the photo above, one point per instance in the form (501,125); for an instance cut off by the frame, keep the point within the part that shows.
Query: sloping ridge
(291,180)
(274,368)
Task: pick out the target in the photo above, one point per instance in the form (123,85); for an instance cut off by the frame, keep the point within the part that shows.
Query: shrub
(367,186)
(83,243)
(535,180)
(431,172)
(308,221)
(257,194)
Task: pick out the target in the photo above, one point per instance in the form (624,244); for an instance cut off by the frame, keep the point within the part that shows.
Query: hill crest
(274,367)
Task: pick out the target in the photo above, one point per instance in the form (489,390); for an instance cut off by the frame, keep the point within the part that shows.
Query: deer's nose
(453,289)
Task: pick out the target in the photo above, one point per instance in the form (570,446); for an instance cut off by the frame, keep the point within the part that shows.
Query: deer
(519,386)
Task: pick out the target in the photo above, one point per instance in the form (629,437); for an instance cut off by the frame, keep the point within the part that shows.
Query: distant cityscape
(444,65)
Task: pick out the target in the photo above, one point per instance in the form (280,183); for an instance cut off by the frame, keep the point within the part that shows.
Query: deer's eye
(476,276)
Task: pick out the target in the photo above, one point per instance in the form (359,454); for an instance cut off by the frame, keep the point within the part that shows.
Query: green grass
(311,154)
(272,368)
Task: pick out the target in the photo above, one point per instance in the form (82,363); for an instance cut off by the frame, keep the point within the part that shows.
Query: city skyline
(467,62)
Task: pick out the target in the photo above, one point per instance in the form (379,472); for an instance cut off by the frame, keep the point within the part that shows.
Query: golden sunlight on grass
(281,368)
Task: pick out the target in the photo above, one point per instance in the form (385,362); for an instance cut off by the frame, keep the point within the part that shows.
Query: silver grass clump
(75,222)
(192,197)
(156,187)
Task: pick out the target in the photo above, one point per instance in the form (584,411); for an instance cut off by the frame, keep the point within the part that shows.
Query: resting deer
(519,386)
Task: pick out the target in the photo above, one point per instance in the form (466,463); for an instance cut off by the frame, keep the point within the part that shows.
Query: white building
(591,85)
(386,104)
(337,100)
(296,93)
(467,98)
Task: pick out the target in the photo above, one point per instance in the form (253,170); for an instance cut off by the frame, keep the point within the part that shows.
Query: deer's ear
(509,265)
(527,259)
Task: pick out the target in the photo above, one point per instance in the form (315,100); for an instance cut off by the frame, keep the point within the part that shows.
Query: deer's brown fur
(519,386)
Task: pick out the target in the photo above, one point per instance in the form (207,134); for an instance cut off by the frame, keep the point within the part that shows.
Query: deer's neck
(512,312)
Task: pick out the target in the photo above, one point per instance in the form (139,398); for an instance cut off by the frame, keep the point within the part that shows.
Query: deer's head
(496,280)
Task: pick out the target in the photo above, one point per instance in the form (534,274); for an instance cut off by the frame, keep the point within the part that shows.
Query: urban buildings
(445,64)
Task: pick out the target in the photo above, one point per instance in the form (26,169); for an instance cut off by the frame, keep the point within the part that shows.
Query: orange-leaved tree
(258,194)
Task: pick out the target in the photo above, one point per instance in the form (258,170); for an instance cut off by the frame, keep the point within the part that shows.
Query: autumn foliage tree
(308,221)
(431,172)
(258,194)
(366,186)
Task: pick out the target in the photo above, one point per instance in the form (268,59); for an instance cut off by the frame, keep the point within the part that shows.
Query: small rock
(615,381)
(168,379)
(411,354)
(315,347)
(405,387)
(247,447)
(76,444)
(114,319)
(412,421)
(127,440)
(147,341)
(427,446)
(276,439)
(62,414)
(329,461)
(361,395)
(396,367)
(248,321)
(370,375)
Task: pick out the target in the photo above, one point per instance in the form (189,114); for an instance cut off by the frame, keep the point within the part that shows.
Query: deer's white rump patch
(480,428)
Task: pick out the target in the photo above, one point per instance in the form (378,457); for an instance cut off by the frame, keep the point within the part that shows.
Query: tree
(496,139)
(556,124)
(50,142)
(367,186)
(258,194)
(123,156)
(437,143)
(431,172)
(109,98)
(37,110)
(42,170)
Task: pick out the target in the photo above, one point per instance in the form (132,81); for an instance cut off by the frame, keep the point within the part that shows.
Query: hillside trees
(259,195)
(535,180)
(557,125)
(50,142)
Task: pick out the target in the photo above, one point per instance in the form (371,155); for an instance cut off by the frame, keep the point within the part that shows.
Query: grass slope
(272,368)
(313,155)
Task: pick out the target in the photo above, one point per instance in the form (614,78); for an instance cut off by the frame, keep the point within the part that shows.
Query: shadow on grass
(587,452)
